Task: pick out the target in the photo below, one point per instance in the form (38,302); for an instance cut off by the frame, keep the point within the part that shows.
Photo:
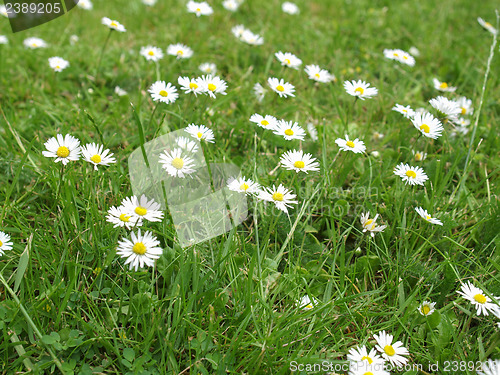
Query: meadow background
(229,305)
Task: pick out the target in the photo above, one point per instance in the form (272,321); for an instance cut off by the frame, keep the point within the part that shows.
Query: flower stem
(102,53)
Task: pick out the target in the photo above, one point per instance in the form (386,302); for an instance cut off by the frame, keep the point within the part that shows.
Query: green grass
(228,305)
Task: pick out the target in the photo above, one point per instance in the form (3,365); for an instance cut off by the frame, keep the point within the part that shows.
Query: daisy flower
(476,296)
(179,50)
(491,367)
(407,111)
(200,132)
(113,25)
(317,74)
(243,185)
(288,59)
(149,3)
(425,215)
(427,124)
(426,308)
(231,5)
(58,63)
(208,68)
(3,39)
(488,26)
(391,352)
(463,121)
(120,92)
(356,146)
(164,92)
(176,164)
(187,144)
(64,149)
(281,87)
(371,225)
(378,136)
(290,8)
(34,43)
(360,355)
(312,131)
(238,31)
(419,155)
(280,196)
(120,218)
(400,56)
(200,9)
(360,89)
(3,11)
(442,86)
(298,161)
(142,251)
(414,51)
(142,208)
(250,38)
(465,106)
(259,91)
(190,85)
(5,243)
(446,108)
(289,130)
(152,53)
(213,85)
(73,39)
(266,122)
(411,175)
(85,4)
(307,303)
(96,155)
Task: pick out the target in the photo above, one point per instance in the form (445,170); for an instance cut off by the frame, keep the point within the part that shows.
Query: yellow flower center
(151,53)
(1,243)
(360,90)
(289,132)
(139,248)
(425,309)
(125,218)
(180,52)
(58,67)
(62,152)
(405,57)
(418,156)
(211,87)
(425,128)
(198,9)
(33,45)
(193,85)
(395,54)
(389,350)
(317,75)
(244,186)
(366,358)
(411,174)
(487,24)
(350,144)
(368,222)
(141,211)
(178,163)
(278,196)
(309,307)
(163,93)
(480,298)
(427,217)
(443,85)
(264,122)
(199,134)
(464,110)
(368,373)
(96,158)
(114,24)
(280,88)
(299,164)
(287,61)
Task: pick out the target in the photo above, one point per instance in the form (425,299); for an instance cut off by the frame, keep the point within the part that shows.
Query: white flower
(5,243)
(400,56)
(298,161)
(120,92)
(488,26)
(187,144)
(361,356)
(179,50)
(446,108)
(85,4)
(312,131)
(442,86)
(266,122)
(200,9)
(378,136)
(149,3)
(259,91)
(281,87)
(463,121)
(213,85)
(251,38)
(176,164)
(280,196)
(425,215)
(317,74)
(200,133)
(164,92)
(58,63)
(231,5)
(34,43)
(120,218)
(414,51)
(3,39)
(427,124)
(288,59)
(238,31)
(426,308)
(190,85)
(208,68)
(465,106)
(289,130)
(142,208)
(371,224)
(356,146)
(391,352)
(360,89)
(307,303)
(290,8)
(113,25)
(491,367)
(152,53)
(3,11)
(73,39)
(243,185)
(411,175)
(96,155)
(419,155)
(64,149)
(476,296)
(407,111)
(142,251)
